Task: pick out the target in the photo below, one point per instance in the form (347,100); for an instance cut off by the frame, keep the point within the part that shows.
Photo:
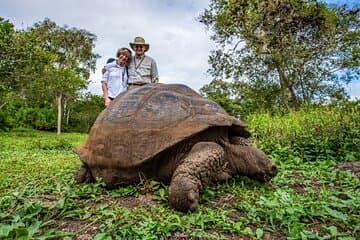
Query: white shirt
(115,78)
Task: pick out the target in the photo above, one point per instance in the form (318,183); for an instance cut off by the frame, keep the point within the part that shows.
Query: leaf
(259,233)
(248,231)
(33,228)
(102,236)
(22,232)
(333,231)
(336,214)
(5,230)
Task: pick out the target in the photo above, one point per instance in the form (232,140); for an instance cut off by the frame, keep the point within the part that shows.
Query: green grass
(309,198)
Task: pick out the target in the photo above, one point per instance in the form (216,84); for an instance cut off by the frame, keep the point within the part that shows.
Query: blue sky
(178,42)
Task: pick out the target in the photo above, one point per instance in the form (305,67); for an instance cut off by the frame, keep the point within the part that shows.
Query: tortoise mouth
(265,177)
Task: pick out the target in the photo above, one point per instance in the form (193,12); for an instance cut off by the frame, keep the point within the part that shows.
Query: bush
(327,132)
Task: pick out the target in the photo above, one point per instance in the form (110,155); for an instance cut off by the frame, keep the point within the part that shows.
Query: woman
(115,76)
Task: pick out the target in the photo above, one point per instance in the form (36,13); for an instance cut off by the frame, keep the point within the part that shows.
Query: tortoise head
(245,159)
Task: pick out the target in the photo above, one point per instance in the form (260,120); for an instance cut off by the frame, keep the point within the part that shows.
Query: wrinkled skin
(210,162)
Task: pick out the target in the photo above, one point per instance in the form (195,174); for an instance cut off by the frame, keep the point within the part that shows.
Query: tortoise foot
(184,194)
(83,175)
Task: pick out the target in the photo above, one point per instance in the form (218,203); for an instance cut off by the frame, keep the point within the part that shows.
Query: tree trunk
(288,85)
(283,92)
(2,105)
(294,98)
(58,100)
(67,116)
(66,111)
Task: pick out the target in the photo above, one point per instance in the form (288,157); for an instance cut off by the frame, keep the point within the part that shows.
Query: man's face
(139,50)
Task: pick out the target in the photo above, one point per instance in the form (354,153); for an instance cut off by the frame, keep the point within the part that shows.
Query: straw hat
(139,41)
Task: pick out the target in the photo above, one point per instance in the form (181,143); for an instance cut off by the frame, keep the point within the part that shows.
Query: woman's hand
(107,101)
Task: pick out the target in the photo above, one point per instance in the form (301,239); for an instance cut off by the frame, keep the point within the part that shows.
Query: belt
(136,84)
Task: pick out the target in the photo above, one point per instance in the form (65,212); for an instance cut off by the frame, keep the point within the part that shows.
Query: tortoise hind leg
(83,175)
(199,169)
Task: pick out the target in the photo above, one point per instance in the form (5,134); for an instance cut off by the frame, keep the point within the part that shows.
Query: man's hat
(139,41)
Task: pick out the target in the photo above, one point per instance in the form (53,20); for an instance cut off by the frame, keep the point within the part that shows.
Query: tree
(85,111)
(21,62)
(240,99)
(305,47)
(74,59)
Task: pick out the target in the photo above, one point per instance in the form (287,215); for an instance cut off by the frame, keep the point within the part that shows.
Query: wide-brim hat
(139,41)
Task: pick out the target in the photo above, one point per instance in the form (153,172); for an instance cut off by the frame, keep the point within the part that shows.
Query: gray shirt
(143,70)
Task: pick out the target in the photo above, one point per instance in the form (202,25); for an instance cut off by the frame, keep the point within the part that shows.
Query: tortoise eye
(239,141)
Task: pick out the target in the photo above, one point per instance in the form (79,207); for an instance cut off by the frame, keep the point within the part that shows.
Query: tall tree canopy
(240,99)
(44,66)
(306,47)
(73,61)
(22,62)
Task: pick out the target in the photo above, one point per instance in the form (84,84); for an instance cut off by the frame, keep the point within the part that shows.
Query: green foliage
(241,99)
(79,117)
(306,48)
(330,133)
(17,115)
(39,66)
(309,198)
(222,93)
(84,112)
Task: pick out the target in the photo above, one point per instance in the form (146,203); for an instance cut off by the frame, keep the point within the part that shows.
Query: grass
(309,198)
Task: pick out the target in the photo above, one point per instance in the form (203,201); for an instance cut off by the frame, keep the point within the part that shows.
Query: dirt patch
(126,202)
(266,236)
(179,236)
(353,167)
(222,201)
(132,202)
(272,236)
(236,215)
(82,229)
(300,188)
(47,200)
(316,228)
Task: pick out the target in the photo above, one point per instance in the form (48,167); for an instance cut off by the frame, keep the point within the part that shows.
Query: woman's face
(123,58)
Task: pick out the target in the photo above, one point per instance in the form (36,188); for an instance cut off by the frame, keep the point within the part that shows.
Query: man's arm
(154,72)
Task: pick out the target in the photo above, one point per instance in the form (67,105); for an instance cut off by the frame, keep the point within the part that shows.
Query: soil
(353,167)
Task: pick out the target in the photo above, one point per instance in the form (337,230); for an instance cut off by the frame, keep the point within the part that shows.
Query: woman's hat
(110,60)
(139,41)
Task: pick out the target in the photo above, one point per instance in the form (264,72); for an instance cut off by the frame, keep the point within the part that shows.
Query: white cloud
(178,42)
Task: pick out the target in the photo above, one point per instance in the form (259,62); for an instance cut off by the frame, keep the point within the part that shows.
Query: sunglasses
(139,46)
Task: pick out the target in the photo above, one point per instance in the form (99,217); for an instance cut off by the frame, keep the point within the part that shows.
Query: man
(115,77)
(142,68)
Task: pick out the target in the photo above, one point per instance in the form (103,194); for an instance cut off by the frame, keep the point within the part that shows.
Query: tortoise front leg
(83,175)
(204,164)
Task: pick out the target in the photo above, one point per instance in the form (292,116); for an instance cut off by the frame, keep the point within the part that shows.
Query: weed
(308,199)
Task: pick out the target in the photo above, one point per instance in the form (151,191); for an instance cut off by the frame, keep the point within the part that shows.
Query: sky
(179,43)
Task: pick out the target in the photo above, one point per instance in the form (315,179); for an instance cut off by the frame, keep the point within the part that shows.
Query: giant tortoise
(170,133)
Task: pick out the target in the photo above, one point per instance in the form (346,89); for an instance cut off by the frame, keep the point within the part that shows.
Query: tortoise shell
(145,121)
